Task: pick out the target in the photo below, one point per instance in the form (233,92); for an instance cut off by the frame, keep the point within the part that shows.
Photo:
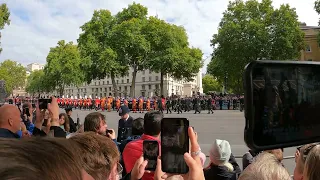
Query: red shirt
(133,151)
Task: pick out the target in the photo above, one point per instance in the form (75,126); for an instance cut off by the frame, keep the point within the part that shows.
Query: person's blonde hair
(265,167)
(278,153)
(312,164)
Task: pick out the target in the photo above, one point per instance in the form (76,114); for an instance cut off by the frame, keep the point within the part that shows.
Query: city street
(223,124)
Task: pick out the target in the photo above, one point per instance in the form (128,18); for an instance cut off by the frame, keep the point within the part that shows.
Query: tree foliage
(63,66)
(37,83)
(14,75)
(99,59)
(209,83)
(129,40)
(4,17)
(253,30)
(169,52)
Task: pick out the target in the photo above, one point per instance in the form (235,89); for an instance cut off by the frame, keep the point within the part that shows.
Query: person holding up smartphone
(192,159)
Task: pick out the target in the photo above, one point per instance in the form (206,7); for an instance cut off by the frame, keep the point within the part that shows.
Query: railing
(240,157)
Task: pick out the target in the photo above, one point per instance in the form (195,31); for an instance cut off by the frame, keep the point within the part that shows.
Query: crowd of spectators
(47,144)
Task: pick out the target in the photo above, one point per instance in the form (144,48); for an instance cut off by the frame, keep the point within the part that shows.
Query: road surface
(223,124)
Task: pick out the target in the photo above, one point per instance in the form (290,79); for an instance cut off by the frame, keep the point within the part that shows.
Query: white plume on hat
(220,151)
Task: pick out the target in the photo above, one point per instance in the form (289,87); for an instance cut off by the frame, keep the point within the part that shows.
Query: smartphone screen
(151,153)
(43,103)
(282,104)
(174,143)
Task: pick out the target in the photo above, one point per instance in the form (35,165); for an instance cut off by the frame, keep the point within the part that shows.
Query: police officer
(73,126)
(124,124)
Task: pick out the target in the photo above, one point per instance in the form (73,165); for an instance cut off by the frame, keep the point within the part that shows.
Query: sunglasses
(119,168)
(308,149)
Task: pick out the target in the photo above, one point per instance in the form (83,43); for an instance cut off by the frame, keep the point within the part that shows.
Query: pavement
(223,124)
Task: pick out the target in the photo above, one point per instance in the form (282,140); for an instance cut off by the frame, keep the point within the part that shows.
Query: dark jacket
(219,173)
(73,127)
(5,133)
(57,132)
(124,129)
(125,142)
(222,172)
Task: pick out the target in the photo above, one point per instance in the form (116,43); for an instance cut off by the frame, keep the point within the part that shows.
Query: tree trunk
(161,83)
(61,89)
(114,85)
(133,83)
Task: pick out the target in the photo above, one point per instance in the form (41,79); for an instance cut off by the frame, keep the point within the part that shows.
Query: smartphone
(109,131)
(26,111)
(174,143)
(45,122)
(282,104)
(43,103)
(151,153)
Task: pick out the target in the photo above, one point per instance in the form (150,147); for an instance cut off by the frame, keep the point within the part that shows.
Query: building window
(99,83)
(308,48)
(109,88)
(97,89)
(150,86)
(100,89)
(157,86)
(144,72)
(143,79)
(127,80)
(143,87)
(150,72)
(150,78)
(92,89)
(105,89)
(103,82)
(119,88)
(107,82)
(117,81)
(309,59)
(125,88)
(122,81)
(157,78)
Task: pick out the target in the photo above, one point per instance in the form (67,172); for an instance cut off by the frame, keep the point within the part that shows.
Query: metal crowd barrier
(240,157)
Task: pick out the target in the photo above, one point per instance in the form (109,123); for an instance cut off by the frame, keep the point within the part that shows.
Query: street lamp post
(225,82)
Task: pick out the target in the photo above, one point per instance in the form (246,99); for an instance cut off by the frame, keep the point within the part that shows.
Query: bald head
(10,117)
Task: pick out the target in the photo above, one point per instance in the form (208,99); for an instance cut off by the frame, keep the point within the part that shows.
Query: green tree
(209,83)
(317,8)
(63,66)
(4,17)
(253,30)
(99,60)
(128,40)
(169,51)
(37,83)
(14,75)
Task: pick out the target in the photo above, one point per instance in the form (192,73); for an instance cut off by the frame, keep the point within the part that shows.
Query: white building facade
(147,85)
(34,66)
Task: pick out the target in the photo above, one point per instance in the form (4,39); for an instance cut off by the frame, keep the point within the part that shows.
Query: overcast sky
(37,25)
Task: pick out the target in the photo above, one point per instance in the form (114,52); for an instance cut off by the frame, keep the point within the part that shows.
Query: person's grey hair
(265,167)
(312,164)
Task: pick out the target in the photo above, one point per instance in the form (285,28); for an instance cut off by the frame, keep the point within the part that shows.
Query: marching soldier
(118,103)
(209,104)
(134,105)
(168,104)
(178,106)
(197,106)
(141,104)
(148,105)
